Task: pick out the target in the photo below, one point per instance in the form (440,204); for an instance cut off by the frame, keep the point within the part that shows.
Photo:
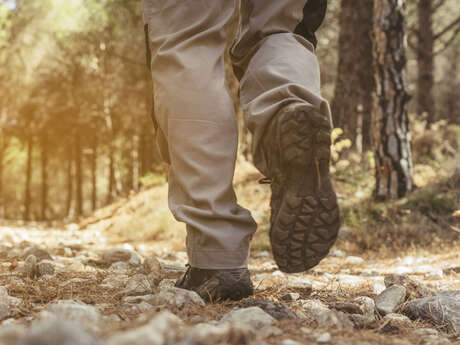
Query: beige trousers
(198,133)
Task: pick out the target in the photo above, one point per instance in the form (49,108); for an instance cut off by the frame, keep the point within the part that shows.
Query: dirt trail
(81,274)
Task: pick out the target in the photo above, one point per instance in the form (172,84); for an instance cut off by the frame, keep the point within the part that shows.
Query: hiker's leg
(280,94)
(276,67)
(194,110)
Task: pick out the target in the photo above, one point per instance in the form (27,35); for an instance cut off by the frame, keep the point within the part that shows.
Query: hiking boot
(305,216)
(217,285)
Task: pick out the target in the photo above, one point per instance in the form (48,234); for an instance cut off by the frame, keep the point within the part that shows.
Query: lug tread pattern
(305,221)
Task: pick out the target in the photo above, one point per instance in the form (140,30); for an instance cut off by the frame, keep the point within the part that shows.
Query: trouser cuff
(218,259)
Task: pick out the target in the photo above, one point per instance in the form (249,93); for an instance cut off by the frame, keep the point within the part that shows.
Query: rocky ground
(81,287)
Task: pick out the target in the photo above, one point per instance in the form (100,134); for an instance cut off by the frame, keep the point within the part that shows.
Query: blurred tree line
(75,94)
(75,97)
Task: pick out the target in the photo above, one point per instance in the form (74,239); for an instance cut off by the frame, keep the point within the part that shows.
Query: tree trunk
(352,105)
(27,197)
(128,178)
(146,150)
(2,153)
(392,143)
(44,176)
(69,180)
(78,176)
(135,162)
(452,85)
(94,173)
(425,61)
(141,154)
(111,185)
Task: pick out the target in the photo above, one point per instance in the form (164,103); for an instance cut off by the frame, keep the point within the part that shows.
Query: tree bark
(352,105)
(2,154)
(94,173)
(44,176)
(135,162)
(111,177)
(392,142)
(425,61)
(69,180)
(146,150)
(27,191)
(452,85)
(128,178)
(78,176)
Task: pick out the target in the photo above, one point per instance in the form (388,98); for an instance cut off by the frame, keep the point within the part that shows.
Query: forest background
(75,100)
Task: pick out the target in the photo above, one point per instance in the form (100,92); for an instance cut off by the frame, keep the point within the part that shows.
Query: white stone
(269,266)
(138,284)
(161,330)
(426,332)
(314,306)
(166,284)
(333,319)
(403,270)
(14,301)
(390,299)
(179,298)
(408,260)
(5,311)
(299,283)
(270,331)
(78,312)
(305,330)
(68,252)
(423,269)
(151,264)
(398,320)
(278,273)
(8,300)
(351,280)
(121,254)
(290,342)
(378,288)
(290,297)
(362,321)
(40,253)
(366,304)
(45,267)
(57,332)
(30,267)
(120,266)
(434,340)
(142,307)
(435,275)
(354,260)
(262,254)
(337,253)
(317,311)
(115,282)
(137,299)
(206,333)
(254,317)
(324,338)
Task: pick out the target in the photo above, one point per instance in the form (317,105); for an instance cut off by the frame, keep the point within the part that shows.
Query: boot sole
(305,216)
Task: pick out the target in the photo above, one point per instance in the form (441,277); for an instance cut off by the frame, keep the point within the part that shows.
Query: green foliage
(75,69)
(153,179)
